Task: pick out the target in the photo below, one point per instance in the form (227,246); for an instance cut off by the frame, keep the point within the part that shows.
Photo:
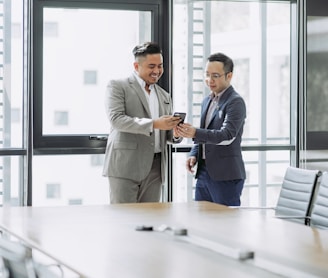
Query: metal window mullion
(27,105)
(263,80)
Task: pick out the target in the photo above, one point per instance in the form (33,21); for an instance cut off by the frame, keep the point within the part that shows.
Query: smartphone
(181,115)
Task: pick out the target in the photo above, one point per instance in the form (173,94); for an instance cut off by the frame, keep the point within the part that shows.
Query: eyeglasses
(214,76)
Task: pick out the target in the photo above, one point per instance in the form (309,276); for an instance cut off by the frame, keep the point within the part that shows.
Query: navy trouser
(222,192)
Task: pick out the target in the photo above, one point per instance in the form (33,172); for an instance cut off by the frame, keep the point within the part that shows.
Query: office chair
(319,214)
(296,194)
(17,262)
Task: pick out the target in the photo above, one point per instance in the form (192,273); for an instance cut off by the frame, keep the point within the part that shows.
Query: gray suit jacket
(222,138)
(130,146)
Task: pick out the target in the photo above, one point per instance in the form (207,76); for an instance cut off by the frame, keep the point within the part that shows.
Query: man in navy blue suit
(217,150)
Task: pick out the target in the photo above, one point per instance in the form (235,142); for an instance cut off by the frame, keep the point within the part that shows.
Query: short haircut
(220,57)
(146,48)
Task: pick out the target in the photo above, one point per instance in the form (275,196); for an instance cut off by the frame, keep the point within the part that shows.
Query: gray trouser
(130,191)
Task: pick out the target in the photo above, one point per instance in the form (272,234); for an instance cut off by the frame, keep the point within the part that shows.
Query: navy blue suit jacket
(222,137)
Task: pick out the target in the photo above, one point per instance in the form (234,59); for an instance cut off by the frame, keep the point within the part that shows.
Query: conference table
(192,239)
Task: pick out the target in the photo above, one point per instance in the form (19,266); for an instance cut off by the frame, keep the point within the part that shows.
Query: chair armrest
(292,217)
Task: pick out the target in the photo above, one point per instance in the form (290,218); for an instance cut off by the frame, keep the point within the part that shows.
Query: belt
(157,155)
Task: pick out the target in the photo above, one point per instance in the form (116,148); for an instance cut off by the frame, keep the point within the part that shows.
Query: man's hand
(185,130)
(166,122)
(190,163)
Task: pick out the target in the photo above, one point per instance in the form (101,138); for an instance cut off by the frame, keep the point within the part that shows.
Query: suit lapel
(203,116)
(140,93)
(226,95)
(223,99)
(163,100)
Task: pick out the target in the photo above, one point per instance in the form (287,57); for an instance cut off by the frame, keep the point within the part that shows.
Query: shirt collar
(142,82)
(217,97)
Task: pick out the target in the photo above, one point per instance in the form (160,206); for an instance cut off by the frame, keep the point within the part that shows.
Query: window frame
(315,140)
(85,143)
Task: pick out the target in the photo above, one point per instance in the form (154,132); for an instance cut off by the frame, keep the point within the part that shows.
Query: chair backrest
(17,259)
(296,193)
(18,262)
(319,215)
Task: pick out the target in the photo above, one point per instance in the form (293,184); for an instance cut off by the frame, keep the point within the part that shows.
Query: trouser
(222,192)
(129,191)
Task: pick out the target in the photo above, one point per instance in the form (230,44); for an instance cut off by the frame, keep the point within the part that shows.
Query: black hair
(220,57)
(146,48)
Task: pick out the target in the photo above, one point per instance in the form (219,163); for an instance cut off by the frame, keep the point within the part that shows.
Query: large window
(72,49)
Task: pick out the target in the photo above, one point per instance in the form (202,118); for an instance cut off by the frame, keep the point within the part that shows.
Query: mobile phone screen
(181,115)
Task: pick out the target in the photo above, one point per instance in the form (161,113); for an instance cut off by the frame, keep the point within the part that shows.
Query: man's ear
(229,75)
(136,66)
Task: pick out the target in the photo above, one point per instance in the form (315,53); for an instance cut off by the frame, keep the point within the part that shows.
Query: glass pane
(259,189)
(317,160)
(82,50)
(257,37)
(69,180)
(316,76)
(317,73)
(11,190)
(277,67)
(11,75)
(183,182)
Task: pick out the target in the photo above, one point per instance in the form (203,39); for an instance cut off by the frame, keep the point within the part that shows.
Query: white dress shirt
(153,107)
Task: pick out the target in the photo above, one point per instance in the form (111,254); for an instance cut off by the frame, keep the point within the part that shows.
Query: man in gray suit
(140,114)
(221,170)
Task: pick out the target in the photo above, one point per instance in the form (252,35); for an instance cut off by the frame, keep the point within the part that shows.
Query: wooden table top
(102,241)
